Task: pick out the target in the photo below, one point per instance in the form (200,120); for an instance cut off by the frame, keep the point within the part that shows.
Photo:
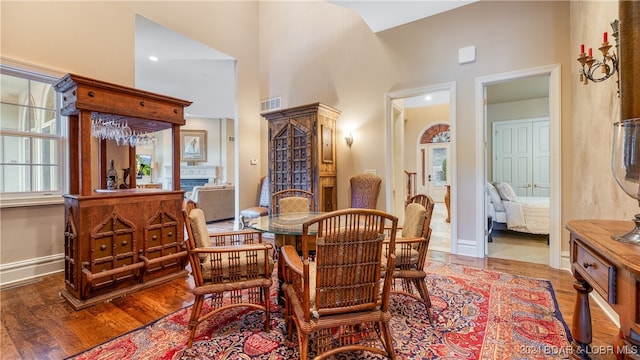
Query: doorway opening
(433,151)
(189,74)
(417,166)
(514,124)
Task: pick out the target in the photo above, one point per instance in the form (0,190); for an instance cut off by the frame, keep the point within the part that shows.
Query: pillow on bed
(496,200)
(506,191)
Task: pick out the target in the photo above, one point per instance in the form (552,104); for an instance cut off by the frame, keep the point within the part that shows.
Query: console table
(611,268)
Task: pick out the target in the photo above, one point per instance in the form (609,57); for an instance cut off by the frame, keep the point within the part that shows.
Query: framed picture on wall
(193,145)
(327,144)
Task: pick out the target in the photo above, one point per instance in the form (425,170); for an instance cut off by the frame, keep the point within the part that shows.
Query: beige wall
(316,51)
(332,57)
(589,189)
(96,39)
(353,71)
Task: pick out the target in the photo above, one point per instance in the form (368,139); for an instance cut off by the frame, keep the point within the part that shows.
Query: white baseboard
(467,248)
(20,271)
(604,305)
(565,261)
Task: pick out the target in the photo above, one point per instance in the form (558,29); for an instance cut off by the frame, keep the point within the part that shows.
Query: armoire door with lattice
(292,158)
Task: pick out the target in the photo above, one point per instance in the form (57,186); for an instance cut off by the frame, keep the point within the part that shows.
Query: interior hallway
(440,229)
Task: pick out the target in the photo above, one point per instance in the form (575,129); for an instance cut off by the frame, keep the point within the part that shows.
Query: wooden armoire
(302,152)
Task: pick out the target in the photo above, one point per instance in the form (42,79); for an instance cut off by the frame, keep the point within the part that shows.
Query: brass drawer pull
(586,265)
(91,94)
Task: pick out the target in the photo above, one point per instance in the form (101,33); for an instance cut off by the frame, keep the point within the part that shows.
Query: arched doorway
(433,152)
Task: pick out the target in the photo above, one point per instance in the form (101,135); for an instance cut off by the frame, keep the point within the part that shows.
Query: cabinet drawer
(597,271)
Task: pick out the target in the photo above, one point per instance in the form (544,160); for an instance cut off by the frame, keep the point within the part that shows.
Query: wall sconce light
(609,64)
(349,139)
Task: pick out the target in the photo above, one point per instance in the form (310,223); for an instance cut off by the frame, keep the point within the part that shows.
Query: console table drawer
(600,273)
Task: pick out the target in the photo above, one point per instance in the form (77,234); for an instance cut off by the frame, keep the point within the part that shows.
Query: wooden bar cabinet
(118,241)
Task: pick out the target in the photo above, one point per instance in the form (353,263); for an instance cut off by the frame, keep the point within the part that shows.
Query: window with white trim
(32,150)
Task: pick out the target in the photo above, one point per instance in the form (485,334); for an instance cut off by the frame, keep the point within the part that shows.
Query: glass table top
(285,224)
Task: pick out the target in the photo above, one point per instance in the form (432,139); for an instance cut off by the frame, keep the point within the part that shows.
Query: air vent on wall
(270,104)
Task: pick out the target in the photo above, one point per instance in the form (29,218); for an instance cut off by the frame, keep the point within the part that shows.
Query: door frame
(393,169)
(555,134)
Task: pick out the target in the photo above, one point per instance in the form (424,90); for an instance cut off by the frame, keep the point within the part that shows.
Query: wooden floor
(38,324)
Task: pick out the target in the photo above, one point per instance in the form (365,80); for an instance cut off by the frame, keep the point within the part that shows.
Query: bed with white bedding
(524,214)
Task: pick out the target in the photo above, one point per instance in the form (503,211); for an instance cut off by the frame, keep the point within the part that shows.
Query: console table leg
(581,324)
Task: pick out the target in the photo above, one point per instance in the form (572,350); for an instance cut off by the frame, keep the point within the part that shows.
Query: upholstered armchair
(262,203)
(232,269)
(365,188)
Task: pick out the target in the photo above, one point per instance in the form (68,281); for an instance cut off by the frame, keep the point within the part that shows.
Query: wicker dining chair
(234,263)
(365,188)
(292,200)
(337,298)
(411,249)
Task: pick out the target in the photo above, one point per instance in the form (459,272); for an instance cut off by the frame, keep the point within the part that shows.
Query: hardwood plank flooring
(38,324)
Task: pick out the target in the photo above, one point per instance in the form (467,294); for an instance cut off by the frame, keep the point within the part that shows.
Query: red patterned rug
(478,314)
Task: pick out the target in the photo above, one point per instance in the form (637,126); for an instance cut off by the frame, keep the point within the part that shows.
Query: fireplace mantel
(208,172)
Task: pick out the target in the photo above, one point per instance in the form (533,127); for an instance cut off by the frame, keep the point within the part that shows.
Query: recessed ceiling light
(153,58)
(428,97)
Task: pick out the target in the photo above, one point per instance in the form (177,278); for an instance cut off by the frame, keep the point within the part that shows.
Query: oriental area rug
(478,314)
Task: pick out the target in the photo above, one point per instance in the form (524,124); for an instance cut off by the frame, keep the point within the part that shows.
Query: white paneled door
(432,174)
(521,155)
(541,158)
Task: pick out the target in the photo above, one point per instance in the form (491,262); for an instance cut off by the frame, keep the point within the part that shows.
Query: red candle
(581,48)
(590,52)
(604,37)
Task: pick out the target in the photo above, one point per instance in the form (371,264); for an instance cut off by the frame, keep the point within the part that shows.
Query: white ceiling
(192,71)
(185,69)
(534,87)
(383,15)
